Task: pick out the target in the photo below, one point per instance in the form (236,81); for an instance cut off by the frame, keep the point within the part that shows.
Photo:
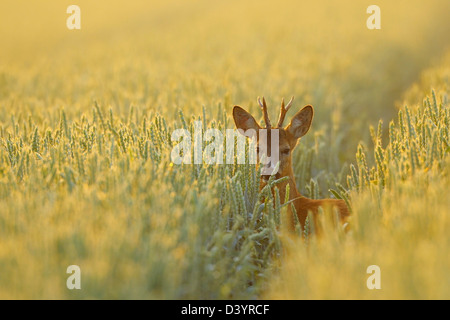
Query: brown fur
(288,138)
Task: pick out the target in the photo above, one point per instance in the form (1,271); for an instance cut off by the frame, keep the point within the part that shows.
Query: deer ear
(244,120)
(301,122)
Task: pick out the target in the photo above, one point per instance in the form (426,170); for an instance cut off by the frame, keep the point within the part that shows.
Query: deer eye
(285,152)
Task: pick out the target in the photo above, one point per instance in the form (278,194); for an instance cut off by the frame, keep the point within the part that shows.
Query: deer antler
(283,111)
(264,110)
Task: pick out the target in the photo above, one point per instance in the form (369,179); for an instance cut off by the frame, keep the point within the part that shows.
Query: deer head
(287,136)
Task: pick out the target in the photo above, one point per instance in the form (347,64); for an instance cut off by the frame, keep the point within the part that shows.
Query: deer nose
(268,169)
(266,177)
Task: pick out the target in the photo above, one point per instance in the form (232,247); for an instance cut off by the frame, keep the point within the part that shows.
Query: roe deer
(287,138)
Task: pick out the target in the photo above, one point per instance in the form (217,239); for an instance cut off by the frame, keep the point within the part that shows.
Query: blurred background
(164,55)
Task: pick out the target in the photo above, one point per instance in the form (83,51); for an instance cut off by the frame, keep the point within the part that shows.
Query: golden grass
(85,122)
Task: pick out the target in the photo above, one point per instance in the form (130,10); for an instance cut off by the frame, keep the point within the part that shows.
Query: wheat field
(86,177)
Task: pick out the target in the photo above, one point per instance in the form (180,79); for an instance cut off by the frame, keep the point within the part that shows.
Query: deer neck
(293,191)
